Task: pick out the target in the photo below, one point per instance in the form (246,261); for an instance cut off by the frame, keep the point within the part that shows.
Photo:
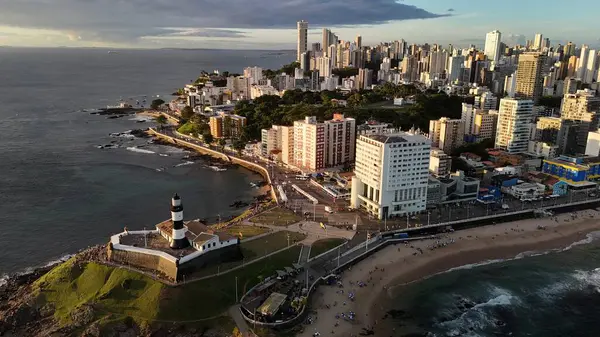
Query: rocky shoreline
(22,314)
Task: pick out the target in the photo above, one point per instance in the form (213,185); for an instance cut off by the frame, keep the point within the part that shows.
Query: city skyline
(272,24)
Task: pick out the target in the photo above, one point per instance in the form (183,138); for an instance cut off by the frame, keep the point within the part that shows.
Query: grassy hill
(82,294)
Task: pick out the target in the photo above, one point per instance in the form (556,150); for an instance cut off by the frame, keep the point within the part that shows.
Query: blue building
(575,171)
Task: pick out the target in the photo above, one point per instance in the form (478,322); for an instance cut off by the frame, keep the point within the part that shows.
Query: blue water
(59,192)
(557,294)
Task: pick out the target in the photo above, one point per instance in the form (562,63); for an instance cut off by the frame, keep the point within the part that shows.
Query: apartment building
(320,145)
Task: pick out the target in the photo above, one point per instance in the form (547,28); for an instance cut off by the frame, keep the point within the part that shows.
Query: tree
(208,138)
(161,120)
(239,145)
(222,143)
(187,112)
(156,103)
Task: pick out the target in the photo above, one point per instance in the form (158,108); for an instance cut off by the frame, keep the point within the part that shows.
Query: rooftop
(400,137)
(154,241)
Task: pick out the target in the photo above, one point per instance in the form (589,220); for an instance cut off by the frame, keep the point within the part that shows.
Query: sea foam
(138,150)
(185,164)
(478,317)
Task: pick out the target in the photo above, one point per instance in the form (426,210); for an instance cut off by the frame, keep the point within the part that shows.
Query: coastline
(389,270)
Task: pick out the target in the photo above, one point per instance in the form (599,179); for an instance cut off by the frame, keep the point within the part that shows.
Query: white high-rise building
(330,83)
(591,67)
(486,101)
(324,66)
(302,39)
(492,45)
(510,84)
(514,117)
(253,74)
(538,42)
(332,54)
(582,62)
(392,173)
(386,64)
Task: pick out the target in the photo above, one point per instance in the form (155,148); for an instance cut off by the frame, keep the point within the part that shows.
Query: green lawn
(269,244)
(254,249)
(321,246)
(383,105)
(211,297)
(247,231)
(277,217)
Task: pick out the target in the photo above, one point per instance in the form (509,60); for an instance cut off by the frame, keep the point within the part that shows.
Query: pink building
(321,145)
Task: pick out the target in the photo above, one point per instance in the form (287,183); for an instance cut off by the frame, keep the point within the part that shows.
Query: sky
(271,24)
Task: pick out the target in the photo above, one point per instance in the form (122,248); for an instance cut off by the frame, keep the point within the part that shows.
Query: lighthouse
(179,240)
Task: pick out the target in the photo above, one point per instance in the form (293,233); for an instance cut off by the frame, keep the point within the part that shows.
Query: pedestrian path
(234,312)
(304,254)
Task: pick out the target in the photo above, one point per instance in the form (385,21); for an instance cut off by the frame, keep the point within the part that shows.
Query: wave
(589,238)
(479,316)
(5,277)
(185,164)
(138,150)
(590,278)
(3,280)
(140,118)
(176,150)
(125,134)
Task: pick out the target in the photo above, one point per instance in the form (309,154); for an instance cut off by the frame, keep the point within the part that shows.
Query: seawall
(219,155)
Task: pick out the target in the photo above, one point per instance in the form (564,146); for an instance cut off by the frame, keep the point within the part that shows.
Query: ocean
(548,295)
(59,192)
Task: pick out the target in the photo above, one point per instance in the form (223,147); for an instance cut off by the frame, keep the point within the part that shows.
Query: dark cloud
(126,20)
(450,10)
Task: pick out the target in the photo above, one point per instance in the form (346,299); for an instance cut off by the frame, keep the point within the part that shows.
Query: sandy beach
(385,272)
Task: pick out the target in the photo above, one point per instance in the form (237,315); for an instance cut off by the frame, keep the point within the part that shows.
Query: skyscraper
(365,78)
(529,83)
(326,41)
(538,41)
(358,41)
(591,67)
(454,68)
(568,50)
(582,63)
(492,45)
(512,131)
(302,38)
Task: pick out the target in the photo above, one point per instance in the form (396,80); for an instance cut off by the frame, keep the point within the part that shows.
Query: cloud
(204,32)
(127,20)
(450,10)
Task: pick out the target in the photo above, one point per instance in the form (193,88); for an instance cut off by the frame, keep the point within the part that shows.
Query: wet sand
(386,271)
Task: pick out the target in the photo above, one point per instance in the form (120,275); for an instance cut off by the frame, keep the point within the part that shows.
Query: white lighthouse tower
(179,240)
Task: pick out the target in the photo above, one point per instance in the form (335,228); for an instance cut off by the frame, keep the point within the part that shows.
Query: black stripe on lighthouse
(178,240)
